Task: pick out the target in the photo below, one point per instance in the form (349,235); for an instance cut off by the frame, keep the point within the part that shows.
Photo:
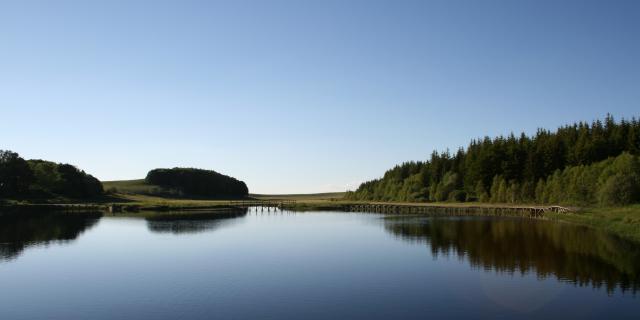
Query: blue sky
(302,96)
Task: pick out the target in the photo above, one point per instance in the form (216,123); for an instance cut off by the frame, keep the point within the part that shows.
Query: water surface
(310,265)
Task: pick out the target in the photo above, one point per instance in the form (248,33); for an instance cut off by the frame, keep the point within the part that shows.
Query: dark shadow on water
(20,230)
(193,222)
(571,253)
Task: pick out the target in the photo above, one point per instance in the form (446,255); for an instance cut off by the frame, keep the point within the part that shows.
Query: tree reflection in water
(192,222)
(19,230)
(576,254)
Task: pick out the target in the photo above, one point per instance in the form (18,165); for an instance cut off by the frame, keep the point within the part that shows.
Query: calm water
(310,265)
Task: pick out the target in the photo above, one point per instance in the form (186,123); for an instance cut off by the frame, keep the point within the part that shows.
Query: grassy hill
(139,187)
(302,196)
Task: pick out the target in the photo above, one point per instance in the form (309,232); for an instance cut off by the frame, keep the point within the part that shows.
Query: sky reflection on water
(313,265)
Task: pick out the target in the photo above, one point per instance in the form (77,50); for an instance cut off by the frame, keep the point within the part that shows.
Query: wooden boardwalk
(531,211)
(376,207)
(267,204)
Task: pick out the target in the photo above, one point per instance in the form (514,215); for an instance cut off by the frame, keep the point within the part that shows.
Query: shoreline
(622,221)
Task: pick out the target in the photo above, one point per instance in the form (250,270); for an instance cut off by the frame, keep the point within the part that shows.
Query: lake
(313,265)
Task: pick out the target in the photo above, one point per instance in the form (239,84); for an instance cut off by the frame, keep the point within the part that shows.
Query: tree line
(20,178)
(197,182)
(582,163)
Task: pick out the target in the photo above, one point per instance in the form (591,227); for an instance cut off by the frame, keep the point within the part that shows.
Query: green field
(301,197)
(139,193)
(138,186)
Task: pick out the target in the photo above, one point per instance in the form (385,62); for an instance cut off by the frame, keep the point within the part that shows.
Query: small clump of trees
(197,182)
(579,164)
(20,178)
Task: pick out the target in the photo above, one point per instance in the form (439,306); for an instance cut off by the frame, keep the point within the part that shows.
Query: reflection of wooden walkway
(457,210)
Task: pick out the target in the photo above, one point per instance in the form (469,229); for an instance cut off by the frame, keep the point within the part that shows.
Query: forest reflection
(571,253)
(19,230)
(192,222)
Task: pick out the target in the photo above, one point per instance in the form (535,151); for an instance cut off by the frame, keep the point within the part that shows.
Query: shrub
(620,189)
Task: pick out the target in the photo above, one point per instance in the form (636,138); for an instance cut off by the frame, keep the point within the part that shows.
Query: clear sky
(302,96)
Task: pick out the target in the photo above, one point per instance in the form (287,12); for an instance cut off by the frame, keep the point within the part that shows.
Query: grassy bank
(623,221)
